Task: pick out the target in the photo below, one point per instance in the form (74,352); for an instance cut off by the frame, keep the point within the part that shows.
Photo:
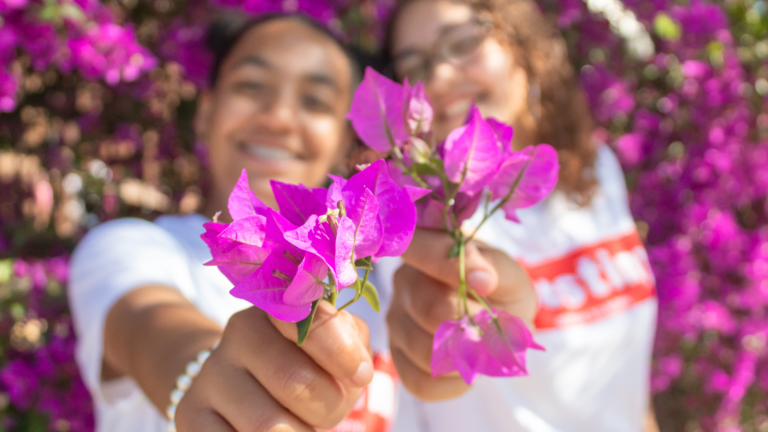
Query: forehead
(293,49)
(420,23)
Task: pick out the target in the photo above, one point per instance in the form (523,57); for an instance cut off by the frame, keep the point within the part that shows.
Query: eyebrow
(443,31)
(315,78)
(323,79)
(253,60)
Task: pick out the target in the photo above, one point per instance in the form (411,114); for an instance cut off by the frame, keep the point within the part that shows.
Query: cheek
(493,72)
(323,138)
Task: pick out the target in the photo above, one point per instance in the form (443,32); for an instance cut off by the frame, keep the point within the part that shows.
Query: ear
(203,115)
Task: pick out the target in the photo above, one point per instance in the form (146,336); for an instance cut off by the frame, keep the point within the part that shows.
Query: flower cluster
(40,378)
(285,261)
(474,164)
(689,125)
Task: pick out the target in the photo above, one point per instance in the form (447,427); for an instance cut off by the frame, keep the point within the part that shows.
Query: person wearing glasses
(597,308)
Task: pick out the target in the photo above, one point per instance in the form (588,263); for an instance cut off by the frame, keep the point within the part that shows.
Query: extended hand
(258,379)
(426,294)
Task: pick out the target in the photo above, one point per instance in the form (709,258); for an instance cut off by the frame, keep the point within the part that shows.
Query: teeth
(269,153)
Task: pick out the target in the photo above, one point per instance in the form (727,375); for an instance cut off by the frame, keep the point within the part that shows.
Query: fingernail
(364,374)
(480,281)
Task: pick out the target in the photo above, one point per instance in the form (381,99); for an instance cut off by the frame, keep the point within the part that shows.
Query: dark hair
(564,121)
(227,30)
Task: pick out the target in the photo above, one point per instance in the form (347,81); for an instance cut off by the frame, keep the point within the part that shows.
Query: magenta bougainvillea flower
(284,261)
(237,248)
(534,170)
(472,154)
(418,109)
(477,346)
(377,112)
(476,163)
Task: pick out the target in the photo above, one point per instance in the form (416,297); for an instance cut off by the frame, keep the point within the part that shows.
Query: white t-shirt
(596,319)
(125,254)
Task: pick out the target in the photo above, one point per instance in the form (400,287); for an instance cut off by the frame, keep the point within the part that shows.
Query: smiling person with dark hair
(145,306)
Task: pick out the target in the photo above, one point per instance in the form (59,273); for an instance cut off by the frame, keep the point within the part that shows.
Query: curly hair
(563,118)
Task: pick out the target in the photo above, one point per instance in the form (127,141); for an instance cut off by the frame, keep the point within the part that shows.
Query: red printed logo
(376,407)
(592,282)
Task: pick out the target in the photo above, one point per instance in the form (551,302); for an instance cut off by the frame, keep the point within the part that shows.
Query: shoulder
(609,174)
(124,241)
(122,235)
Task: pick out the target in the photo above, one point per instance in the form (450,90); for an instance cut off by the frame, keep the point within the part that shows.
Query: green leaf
(303,325)
(6,269)
(666,27)
(370,294)
(425,169)
(363,263)
(454,252)
(49,13)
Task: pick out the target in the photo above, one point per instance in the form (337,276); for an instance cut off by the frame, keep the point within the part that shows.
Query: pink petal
(471,151)
(445,342)
(306,286)
(537,181)
(415,193)
(249,230)
(240,262)
(397,212)
(297,202)
(334,192)
(419,112)
(509,348)
(276,227)
(376,109)
(265,290)
(363,211)
(242,201)
(504,133)
(345,272)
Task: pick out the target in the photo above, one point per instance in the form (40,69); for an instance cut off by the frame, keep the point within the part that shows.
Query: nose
(280,115)
(441,79)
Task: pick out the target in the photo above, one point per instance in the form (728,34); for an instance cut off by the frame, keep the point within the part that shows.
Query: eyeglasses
(456,46)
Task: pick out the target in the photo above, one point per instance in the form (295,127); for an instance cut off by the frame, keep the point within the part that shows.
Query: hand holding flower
(426,296)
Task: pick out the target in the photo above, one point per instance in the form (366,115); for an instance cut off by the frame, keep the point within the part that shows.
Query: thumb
(429,252)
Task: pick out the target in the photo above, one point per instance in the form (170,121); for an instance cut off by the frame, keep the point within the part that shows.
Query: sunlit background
(96,102)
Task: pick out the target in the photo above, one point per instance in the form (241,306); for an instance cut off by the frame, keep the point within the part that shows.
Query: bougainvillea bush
(96,102)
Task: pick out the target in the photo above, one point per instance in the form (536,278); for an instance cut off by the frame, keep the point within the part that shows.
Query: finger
(336,342)
(421,383)
(240,399)
(203,420)
(515,293)
(414,342)
(292,378)
(429,251)
(427,301)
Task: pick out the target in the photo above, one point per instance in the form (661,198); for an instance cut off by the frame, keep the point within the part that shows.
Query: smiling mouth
(459,107)
(269,154)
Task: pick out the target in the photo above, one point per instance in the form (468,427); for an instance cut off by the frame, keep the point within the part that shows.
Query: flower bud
(342,209)
(418,150)
(291,257)
(419,112)
(280,275)
(333,221)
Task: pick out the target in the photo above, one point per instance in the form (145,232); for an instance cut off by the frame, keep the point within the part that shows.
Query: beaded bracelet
(183,382)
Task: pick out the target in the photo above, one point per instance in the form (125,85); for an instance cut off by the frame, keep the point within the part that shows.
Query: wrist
(184,382)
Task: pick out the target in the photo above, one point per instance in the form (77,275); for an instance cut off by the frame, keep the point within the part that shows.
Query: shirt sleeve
(110,261)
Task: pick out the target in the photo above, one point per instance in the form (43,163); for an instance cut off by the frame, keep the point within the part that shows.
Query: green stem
(360,286)
(334,291)
(502,202)
(462,278)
